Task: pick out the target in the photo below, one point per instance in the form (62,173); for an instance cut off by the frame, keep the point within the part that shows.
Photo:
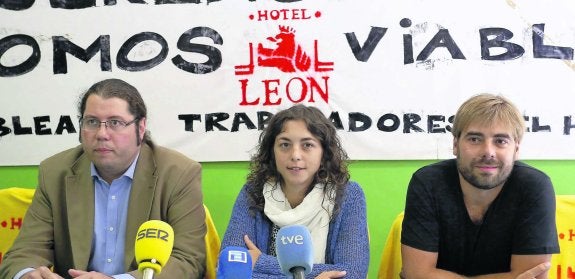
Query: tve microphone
(234,263)
(294,251)
(153,247)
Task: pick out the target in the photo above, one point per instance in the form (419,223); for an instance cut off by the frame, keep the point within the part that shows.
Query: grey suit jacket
(59,224)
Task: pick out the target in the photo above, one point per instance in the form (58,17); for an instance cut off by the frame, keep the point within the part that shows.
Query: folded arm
(422,264)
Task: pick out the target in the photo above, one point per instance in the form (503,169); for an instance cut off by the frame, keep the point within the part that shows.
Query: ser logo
(153,233)
(289,56)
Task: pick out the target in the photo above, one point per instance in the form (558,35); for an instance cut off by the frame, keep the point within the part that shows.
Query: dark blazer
(59,224)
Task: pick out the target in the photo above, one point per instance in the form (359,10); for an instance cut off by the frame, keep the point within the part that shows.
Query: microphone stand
(148,273)
(298,272)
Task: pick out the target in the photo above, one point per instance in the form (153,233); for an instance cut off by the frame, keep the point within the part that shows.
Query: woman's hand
(253,249)
(331,274)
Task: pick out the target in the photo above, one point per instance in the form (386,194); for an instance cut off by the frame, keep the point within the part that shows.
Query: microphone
(294,251)
(154,243)
(234,263)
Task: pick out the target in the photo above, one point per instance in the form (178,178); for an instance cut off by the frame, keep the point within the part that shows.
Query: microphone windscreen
(234,263)
(294,248)
(154,243)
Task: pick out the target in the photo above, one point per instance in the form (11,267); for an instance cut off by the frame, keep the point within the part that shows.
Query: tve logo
(294,239)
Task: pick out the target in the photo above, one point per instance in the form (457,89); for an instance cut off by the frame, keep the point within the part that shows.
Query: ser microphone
(294,251)
(153,247)
(234,263)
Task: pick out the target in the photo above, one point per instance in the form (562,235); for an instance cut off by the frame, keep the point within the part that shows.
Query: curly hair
(333,172)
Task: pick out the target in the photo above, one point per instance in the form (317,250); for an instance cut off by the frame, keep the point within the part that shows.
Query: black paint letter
(441,39)
(40,127)
(544,51)
(63,46)
(214,55)
(567,125)
(3,129)
(72,4)
(363,53)
(501,36)
(263,119)
(18,129)
(242,118)
(409,120)
(125,63)
(388,128)
(65,124)
(24,67)
(16,5)
(189,121)
(432,127)
(336,120)
(214,119)
(354,118)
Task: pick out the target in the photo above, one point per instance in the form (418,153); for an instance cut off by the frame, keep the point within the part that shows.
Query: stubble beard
(484,182)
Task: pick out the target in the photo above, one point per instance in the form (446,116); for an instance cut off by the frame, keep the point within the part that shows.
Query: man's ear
(142,124)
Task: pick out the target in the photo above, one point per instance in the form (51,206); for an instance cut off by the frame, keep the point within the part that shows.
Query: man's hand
(535,272)
(42,272)
(331,274)
(253,249)
(80,274)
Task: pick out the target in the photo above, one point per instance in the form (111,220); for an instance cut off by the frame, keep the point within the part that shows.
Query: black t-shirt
(521,220)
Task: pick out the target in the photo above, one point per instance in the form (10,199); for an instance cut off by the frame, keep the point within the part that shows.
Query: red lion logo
(288,56)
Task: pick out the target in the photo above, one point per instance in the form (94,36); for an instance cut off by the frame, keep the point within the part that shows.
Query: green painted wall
(384,183)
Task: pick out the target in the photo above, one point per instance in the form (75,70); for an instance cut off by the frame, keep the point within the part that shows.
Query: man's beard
(484,182)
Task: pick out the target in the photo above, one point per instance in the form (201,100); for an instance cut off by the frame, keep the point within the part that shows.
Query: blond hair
(486,109)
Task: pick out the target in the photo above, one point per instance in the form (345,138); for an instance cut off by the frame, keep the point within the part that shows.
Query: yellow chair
(563,265)
(13,205)
(212,246)
(390,264)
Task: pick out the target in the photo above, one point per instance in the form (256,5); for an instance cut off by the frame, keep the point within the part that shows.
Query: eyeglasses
(93,124)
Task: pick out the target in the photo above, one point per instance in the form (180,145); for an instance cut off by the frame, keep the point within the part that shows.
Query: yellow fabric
(13,205)
(390,264)
(212,246)
(563,265)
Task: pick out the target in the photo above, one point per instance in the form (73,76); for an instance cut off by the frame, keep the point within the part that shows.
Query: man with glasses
(91,199)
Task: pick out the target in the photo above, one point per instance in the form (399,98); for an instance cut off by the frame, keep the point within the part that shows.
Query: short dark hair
(117,88)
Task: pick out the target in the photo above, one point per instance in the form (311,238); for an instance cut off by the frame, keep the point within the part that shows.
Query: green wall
(384,183)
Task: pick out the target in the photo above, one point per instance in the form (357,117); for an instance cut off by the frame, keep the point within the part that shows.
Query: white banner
(389,73)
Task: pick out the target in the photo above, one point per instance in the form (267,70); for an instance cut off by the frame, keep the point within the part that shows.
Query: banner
(390,74)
